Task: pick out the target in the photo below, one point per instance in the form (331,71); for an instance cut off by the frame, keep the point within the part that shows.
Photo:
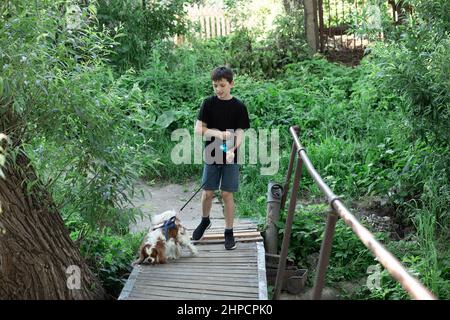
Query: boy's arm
(230,153)
(202,130)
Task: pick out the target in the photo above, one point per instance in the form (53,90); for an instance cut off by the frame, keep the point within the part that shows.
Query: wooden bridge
(215,274)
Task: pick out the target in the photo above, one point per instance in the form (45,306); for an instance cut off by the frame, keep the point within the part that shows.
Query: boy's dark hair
(222,72)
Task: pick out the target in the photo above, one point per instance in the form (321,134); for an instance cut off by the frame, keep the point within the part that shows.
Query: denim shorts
(224,175)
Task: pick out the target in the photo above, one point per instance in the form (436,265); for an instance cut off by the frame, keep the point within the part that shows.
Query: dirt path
(159,198)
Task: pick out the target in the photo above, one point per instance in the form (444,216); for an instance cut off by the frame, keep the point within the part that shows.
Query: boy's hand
(230,156)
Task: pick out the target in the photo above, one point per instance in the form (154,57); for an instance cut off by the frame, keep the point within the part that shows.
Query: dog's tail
(160,218)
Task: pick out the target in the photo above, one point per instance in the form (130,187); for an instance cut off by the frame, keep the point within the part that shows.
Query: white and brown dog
(164,240)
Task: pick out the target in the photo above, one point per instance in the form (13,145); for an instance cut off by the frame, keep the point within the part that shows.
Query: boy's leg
(207,198)
(229,185)
(211,179)
(228,201)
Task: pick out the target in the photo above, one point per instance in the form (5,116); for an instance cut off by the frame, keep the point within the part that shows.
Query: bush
(110,256)
(266,57)
(140,24)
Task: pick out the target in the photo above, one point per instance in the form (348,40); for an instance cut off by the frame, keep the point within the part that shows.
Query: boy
(221,120)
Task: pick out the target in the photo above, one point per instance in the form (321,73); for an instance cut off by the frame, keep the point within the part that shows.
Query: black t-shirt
(222,115)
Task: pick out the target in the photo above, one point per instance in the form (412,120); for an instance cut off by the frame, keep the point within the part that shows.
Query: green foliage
(110,256)
(415,66)
(68,113)
(285,44)
(349,258)
(141,24)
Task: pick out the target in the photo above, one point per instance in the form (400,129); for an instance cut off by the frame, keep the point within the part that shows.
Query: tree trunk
(38,260)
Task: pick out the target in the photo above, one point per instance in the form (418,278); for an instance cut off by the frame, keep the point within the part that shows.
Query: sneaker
(200,230)
(230,244)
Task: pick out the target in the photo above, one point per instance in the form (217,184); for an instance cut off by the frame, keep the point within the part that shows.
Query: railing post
(287,230)
(274,194)
(288,175)
(325,251)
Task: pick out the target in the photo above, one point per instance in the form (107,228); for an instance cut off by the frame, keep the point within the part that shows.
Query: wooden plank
(185,292)
(262,279)
(230,261)
(223,272)
(176,285)
(221,254)
(233,253)
(218,247)
(231,275)
(215,260)
(192,296)
(205,277)
(209,266)
(217,269)
(183,273)
(216,255)
(221,229)
(220,223)
(216,224)
(153,297)
(202,289)
(205,250)
(251,234)
(128,288)
(235,228)
(207,261)
(216,241)
(247,281)
(212,236)
(220,265)
(202,268)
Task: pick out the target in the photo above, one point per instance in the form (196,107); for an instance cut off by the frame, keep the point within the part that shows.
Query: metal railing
(337,209)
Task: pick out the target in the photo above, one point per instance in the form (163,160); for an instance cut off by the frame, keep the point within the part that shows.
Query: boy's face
(222,88)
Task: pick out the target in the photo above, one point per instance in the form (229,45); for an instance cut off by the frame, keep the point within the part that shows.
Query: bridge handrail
(413,286)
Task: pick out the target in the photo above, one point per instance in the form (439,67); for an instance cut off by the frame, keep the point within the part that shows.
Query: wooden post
(311,24)
(274,194)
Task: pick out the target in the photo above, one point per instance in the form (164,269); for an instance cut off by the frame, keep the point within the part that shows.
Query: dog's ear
(160,252)
(173,232)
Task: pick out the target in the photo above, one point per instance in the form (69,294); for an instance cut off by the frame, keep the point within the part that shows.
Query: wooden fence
(212,20)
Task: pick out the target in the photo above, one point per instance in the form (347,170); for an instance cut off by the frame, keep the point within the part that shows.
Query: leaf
(92,9)
(166,119)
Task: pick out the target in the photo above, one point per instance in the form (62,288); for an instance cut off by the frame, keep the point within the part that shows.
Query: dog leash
(170,223)
(201,187)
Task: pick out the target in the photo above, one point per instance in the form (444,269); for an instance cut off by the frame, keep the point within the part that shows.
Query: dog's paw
(194,251)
